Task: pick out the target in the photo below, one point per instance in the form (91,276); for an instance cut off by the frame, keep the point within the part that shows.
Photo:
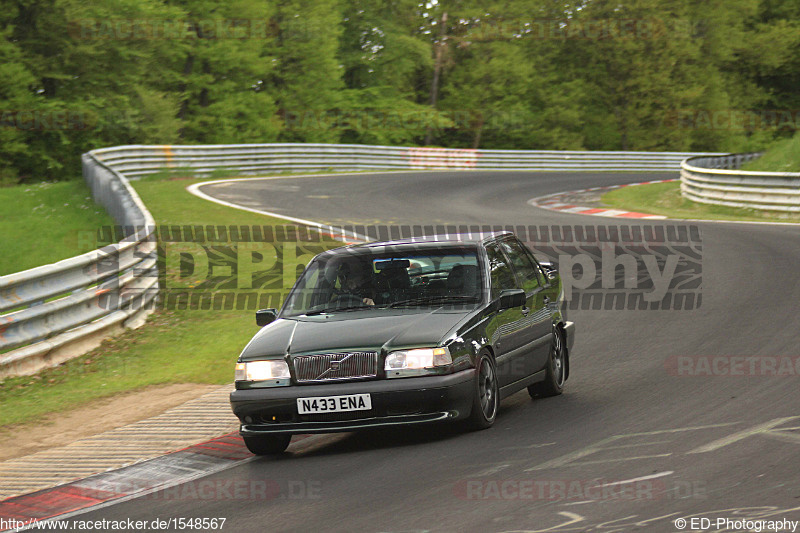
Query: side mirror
(265,316)
(511,298)
(549,269)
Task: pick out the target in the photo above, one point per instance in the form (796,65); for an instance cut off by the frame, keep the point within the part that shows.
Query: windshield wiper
(333,309)
(435,300)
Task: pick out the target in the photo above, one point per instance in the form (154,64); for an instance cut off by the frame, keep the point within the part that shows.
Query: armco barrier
(136,161)
(716,180)
(53,312)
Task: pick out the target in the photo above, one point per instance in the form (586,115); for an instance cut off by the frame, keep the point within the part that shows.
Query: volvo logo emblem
(335,366)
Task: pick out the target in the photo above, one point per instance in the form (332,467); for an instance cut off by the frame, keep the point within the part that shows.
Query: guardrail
(136,161)
(717,180)
(54,312)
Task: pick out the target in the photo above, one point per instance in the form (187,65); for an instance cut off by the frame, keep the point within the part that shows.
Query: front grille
(333,366)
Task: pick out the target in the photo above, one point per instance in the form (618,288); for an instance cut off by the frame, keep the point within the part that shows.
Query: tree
(219,75)
(16,99)
(385,53)
(307,74)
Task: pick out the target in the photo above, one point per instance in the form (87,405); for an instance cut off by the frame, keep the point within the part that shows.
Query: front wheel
(267,444)
(487,394)
(555,373)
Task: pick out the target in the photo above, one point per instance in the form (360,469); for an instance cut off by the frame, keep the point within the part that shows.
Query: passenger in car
(393,284)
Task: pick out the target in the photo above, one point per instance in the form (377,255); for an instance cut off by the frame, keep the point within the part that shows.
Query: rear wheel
(487,394)
(555,373)
(267,444)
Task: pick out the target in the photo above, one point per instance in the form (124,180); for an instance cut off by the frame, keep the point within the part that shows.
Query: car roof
(432,242)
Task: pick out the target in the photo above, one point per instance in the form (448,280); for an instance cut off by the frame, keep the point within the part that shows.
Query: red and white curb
(557,202)
(154,477)
(177,467)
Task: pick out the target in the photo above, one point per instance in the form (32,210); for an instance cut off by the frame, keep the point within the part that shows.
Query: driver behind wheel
(355,279)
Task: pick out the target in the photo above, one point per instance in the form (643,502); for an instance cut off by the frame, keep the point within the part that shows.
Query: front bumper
(394,402)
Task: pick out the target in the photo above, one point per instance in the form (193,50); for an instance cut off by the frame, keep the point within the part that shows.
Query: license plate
(334,404)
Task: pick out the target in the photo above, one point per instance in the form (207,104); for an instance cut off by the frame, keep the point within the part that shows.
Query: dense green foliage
(533,74)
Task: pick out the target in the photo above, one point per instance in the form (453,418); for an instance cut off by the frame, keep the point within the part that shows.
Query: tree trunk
(437,70)
(184,110)
(476,140)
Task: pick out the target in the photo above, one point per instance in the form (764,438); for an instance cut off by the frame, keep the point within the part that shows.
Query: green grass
(170,203)
(665,199)
(174,346)
(783,156)
(46,222)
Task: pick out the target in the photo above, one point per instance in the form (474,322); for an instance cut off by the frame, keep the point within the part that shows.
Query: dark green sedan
(404,332)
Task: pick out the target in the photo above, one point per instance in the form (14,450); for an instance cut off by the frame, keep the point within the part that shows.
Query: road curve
(704,445)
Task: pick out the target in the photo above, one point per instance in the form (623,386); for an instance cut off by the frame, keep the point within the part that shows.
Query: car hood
(353,330)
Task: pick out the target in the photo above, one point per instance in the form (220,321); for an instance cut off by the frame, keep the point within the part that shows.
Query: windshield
(386,279)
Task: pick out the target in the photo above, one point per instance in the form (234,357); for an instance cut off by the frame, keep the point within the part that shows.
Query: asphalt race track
(707,445)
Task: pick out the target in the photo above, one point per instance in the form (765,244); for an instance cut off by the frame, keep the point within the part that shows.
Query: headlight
(262,370)
(417,359)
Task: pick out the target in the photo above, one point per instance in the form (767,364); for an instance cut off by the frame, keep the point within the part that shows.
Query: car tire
(555,371)
(486,399)
(267,444)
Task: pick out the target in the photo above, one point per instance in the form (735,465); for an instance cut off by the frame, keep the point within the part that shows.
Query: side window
(524,267)
(502,275)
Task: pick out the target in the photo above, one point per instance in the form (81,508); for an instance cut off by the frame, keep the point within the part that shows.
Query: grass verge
(665,199)
(61,215)
(175,345)
(783,156)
